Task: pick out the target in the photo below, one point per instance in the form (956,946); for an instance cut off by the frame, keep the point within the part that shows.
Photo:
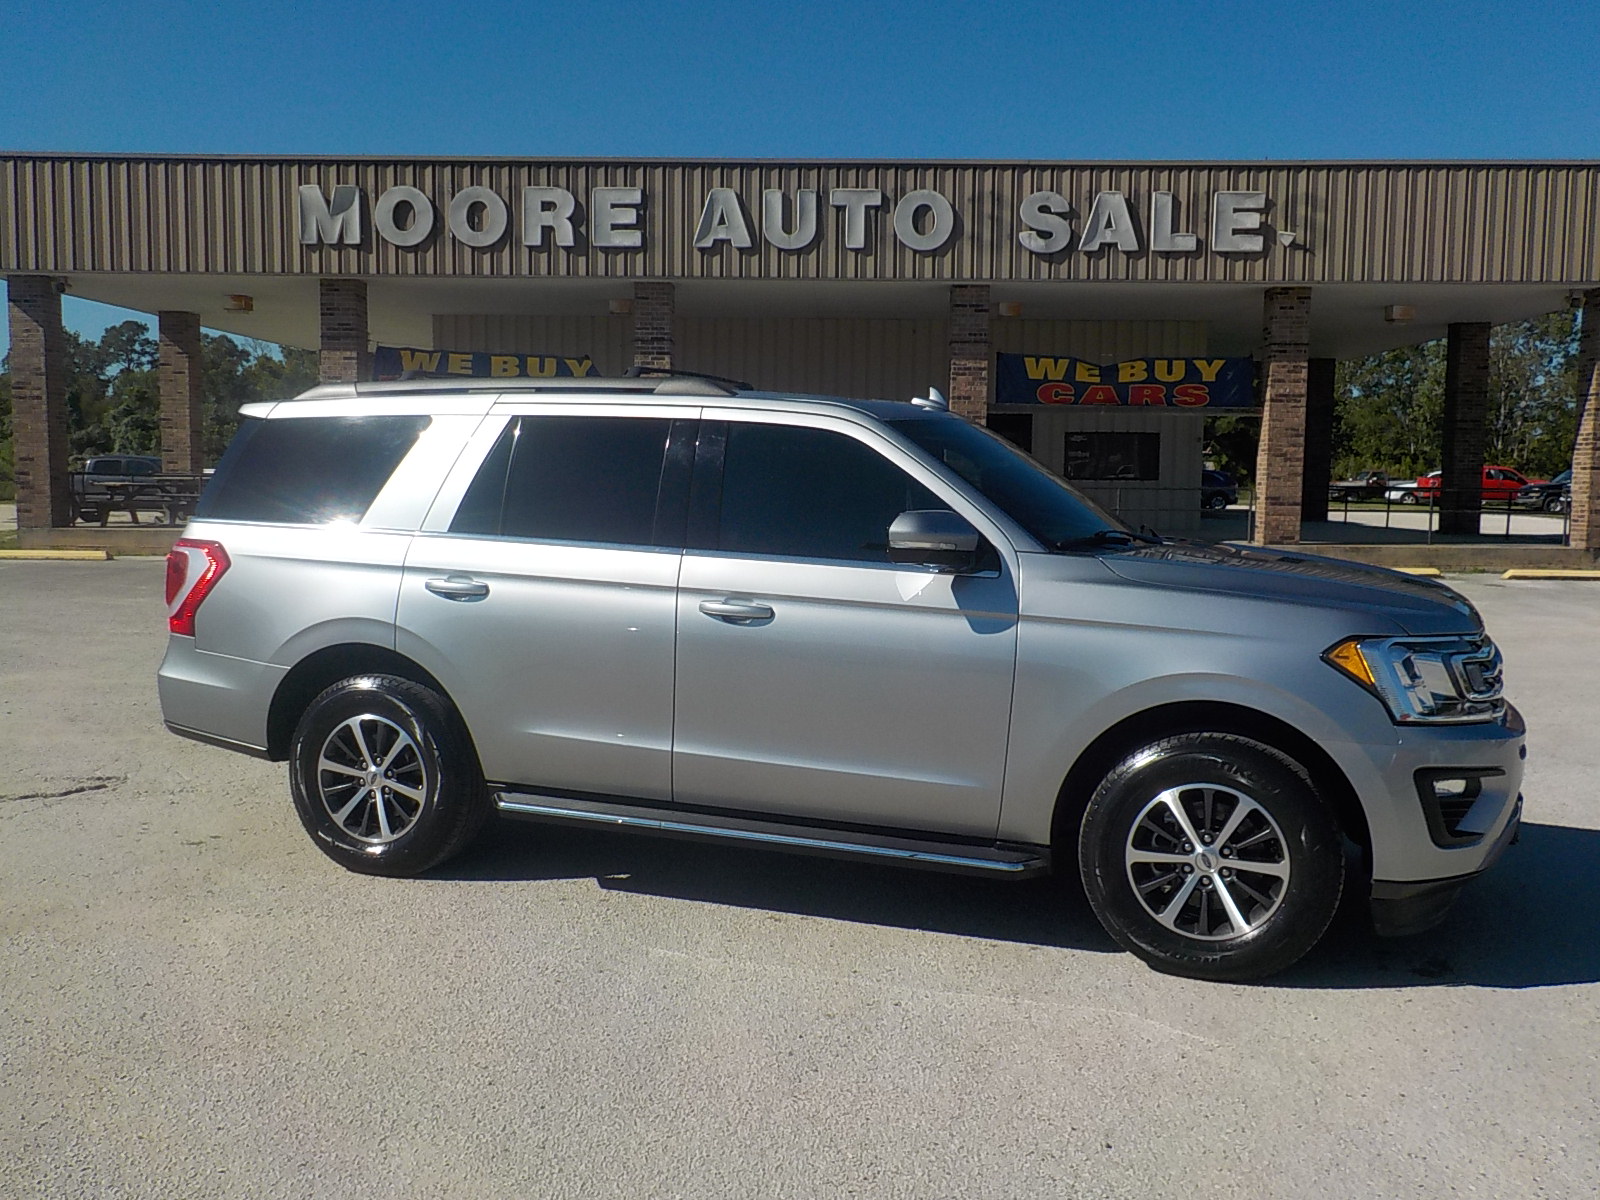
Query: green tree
(1230,443)
(1533,390)
(1389,407)
(240,373)
(1387,410)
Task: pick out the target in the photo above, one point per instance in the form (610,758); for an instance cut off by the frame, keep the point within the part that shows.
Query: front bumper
(1402,908)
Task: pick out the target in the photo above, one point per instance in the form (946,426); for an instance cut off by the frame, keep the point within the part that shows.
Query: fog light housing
(1455,805)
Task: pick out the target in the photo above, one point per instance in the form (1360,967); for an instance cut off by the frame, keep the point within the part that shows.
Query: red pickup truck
(1500,485)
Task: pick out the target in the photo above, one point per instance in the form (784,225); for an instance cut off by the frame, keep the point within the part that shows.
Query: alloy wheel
(1207,861)
(371,778)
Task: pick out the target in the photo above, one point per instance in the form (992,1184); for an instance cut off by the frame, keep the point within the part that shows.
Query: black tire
(1284,829)
(1554,504)
(1217,502)
(435,800)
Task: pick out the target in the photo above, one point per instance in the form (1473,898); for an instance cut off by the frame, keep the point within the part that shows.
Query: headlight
(1426,680)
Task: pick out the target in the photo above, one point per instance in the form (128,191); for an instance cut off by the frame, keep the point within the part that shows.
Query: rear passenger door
(540,592)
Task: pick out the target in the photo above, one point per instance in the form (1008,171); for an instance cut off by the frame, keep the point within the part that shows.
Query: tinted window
(580,479)
(810,493)
(141,466)
(479,511)
(1033,497)
(307,470)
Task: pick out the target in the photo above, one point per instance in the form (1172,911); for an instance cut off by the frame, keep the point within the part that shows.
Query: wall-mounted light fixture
(1399,314)
(1009,308)
(620,308)
(240,304)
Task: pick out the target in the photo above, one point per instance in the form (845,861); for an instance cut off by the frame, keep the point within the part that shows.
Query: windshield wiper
(1106,537)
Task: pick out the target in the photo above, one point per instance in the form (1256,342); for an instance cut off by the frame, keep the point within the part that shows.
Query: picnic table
(173,496)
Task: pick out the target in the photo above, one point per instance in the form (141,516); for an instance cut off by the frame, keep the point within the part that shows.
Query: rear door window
(601,479)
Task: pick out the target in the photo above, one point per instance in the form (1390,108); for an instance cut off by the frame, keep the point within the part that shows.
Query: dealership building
(1093,312)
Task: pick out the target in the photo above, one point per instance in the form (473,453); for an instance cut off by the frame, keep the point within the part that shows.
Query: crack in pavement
(95,783)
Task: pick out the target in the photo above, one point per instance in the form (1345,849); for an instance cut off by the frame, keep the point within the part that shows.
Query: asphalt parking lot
(196,1003)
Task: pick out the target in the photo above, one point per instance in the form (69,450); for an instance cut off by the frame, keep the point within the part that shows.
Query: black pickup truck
(131,483)
(89,493)
(1366,485)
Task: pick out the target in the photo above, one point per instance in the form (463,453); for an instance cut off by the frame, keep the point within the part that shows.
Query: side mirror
(935,537)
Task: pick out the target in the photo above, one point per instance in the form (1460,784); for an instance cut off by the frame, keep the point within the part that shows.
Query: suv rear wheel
(1210,855)
(383,777)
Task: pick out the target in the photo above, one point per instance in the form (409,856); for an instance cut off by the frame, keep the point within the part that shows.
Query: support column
(1280,457)
(39,402)
(654,305)
(1585,531)
(1319,439)
(344,357)
(969,351)
(182,401)
(1464,426)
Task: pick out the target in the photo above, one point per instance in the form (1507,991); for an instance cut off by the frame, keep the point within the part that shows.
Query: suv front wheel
(383,777)
(1210,855)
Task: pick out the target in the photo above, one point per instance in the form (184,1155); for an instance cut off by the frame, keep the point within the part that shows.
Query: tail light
(202,562)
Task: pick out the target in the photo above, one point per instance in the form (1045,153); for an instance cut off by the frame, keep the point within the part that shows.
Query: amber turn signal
(1348,658)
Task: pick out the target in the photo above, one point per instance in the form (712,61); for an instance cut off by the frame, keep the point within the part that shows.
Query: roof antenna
(934,400)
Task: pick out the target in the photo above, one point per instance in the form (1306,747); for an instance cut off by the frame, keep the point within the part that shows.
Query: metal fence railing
(1499,511)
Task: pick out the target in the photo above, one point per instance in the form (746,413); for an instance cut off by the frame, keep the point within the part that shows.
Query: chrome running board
(1013,861)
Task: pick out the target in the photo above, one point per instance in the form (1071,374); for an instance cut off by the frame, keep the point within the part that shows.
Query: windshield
(1042,503)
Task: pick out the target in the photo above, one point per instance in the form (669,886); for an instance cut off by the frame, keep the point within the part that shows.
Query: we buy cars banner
(1138,382)
(408,362)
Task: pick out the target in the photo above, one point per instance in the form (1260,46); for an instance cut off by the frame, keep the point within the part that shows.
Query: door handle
(736,610)
(458,587)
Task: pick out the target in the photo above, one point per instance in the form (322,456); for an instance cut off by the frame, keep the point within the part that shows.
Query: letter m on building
(330,224)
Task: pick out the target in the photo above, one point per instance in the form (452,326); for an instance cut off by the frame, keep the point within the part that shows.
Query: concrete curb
(62,555)
(1431,572)
(1531,573)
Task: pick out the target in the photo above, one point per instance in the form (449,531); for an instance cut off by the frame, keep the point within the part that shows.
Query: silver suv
(859,628)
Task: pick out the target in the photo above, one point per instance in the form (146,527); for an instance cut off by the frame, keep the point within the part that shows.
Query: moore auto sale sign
(794,220)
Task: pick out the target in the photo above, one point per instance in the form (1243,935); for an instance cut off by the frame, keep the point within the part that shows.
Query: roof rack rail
(674,384)
(730,386)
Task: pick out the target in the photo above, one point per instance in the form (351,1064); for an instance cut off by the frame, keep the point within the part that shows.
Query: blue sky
(936,79)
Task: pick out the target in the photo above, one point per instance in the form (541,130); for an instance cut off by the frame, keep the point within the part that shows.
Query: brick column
(182,402)
(344,357)
(969,351)
(1585,533)
(1280,456)
(39,402)
(1463,426)
(653,309)
(1319,439)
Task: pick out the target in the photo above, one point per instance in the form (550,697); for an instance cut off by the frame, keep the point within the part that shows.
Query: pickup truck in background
(1500,486)
(89,493)
(1553,497)
(1364,485)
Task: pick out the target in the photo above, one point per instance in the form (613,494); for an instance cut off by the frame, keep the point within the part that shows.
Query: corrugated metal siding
(1099,341)
(892,359)
(1379,222)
